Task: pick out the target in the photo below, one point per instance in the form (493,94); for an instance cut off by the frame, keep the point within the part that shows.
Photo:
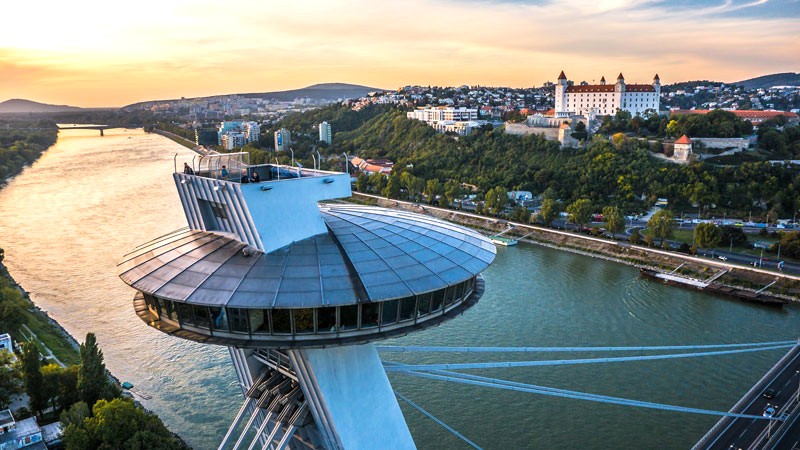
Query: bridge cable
(543,390)
(412,349)
(560,362)
(432,417)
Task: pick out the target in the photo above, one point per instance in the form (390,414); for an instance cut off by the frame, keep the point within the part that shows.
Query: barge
(712,287)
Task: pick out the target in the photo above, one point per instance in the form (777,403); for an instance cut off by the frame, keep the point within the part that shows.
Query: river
(68,219)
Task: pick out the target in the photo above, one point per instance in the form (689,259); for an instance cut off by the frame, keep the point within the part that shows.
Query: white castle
(604,99)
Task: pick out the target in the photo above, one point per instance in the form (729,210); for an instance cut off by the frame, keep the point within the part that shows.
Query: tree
(707,235)
(580,212)
(11,316)
(615,223)
(521,214)
(9,380)
(660,225)
(580,132)
(33,379)
(496,199)
(361,182)
(452,190)
(392,189)
(92,380)
(548,212)
(117,424)
(635,238)
(432,189)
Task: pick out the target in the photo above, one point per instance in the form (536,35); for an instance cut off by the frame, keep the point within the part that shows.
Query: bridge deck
(784,382)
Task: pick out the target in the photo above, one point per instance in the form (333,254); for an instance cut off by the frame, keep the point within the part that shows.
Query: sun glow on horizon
(93,53)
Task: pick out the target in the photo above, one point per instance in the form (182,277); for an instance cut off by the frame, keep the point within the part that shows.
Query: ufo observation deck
(363,273)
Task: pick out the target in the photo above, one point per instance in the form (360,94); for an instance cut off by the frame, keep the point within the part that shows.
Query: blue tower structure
(298,290)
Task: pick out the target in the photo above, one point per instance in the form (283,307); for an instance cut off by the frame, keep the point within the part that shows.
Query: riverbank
(785,286)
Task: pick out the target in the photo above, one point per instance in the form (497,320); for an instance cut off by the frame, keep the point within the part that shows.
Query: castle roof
(656,77)
(684,140)
(620,77)
(609,88)
(562,76)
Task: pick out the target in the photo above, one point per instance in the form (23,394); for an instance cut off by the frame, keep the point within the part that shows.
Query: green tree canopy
(117,424)
(580,212)
(93,383)
(548,212)
(496,199)
(660,225)
(615,223)
(707,235)
(33,379)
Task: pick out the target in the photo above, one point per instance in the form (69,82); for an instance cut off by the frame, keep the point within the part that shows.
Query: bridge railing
(755,390)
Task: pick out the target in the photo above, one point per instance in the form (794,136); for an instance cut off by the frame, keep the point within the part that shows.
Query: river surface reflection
(69,218)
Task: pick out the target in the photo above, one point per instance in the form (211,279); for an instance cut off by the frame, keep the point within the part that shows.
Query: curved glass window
(238,319)
(281,321)
(389,314)
(326,320)
(303,320)
(369,314)
(201,316)
(348,317)
(258,321)
(407,307)
(424,304)
(438,299)
(185,313)
(219,319)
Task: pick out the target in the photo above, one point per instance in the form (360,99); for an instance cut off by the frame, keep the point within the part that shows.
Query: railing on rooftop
(235,167)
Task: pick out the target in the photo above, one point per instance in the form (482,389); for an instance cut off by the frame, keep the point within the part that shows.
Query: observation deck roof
(368,254)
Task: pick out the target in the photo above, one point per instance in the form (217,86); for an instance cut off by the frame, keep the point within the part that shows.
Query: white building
(429,115)
(605,99)
(283,139)
(682,150)
(233,139)
(224,127)
(325,133)
(453,120)
(251,131)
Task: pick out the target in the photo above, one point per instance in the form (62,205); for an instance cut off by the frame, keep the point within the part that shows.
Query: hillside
(775,79)
(317,92)
(18,105)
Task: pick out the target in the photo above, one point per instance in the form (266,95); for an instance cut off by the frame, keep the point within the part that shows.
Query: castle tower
(602,81)
(620,85)
(561,106)
(298,291)
(657,85)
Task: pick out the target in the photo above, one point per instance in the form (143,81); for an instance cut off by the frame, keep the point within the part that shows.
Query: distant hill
(776,79)
(18,105)
(323,91)
(319,92)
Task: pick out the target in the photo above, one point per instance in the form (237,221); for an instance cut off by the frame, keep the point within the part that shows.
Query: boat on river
(712,287)
(504,241)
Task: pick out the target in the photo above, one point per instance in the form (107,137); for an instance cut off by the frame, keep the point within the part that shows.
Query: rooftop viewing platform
(236,168)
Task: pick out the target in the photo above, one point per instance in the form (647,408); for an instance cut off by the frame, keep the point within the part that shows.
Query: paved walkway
(30,336)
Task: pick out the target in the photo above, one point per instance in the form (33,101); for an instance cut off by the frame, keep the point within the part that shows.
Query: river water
(67,220)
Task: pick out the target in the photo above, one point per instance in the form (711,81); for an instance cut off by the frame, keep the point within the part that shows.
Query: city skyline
(93,54)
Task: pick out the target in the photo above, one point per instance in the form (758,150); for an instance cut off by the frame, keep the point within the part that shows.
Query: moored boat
(713,287)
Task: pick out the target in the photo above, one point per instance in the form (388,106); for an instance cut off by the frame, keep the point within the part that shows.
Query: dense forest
(620,171)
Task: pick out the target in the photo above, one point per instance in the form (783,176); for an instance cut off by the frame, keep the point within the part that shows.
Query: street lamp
(346,163)
(730,250)
(290,149)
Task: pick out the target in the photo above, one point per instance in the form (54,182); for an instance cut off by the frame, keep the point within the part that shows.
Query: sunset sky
(100,53)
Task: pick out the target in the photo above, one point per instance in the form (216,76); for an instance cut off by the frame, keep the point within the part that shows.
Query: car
(724,258)
(769,393)
(769,412)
